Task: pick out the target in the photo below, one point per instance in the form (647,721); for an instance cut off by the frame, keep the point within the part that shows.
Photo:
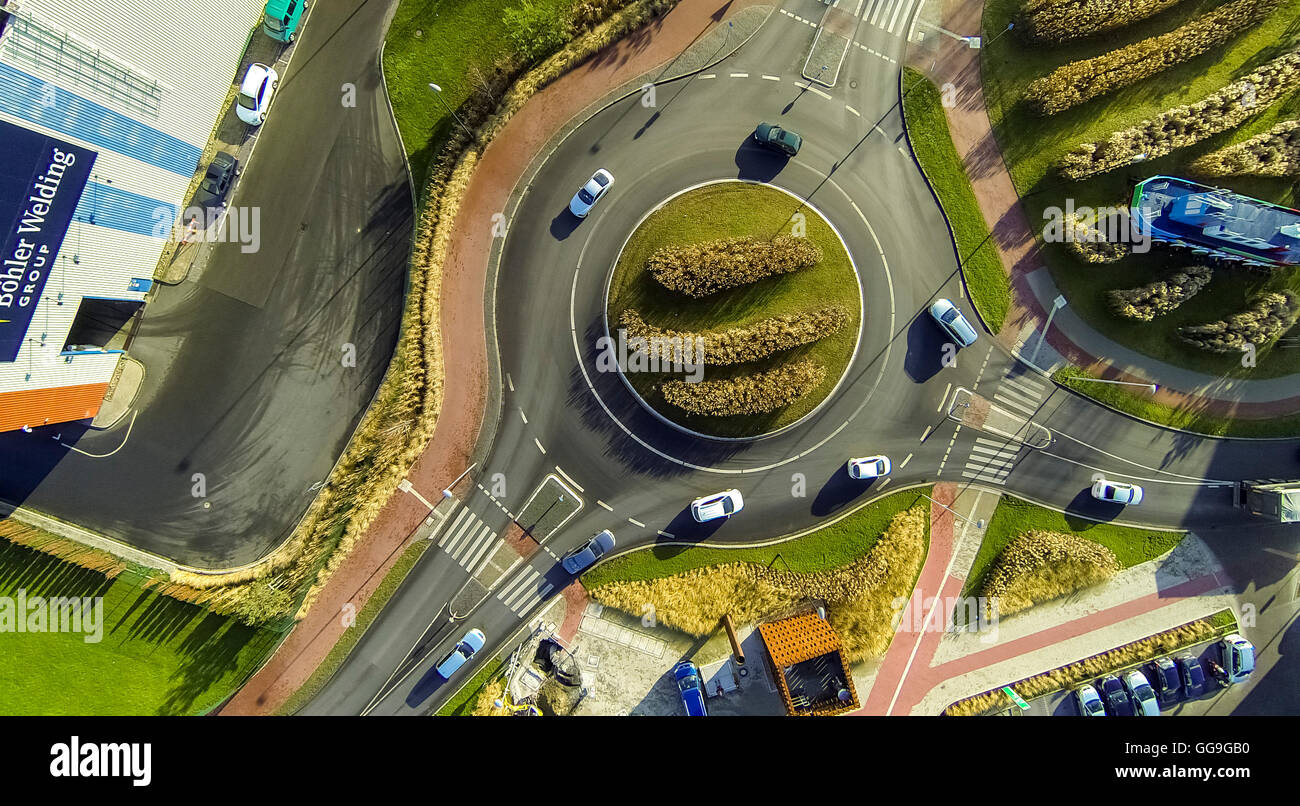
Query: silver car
(953,323)
(585,556)
(1116,492)
(587,196)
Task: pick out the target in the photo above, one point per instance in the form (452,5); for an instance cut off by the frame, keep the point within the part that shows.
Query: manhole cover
(853,84)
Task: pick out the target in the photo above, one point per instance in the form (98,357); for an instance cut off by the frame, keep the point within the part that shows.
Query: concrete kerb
(488,431)
(862,317)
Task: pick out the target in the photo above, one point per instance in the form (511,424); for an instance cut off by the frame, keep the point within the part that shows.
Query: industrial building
(105,112)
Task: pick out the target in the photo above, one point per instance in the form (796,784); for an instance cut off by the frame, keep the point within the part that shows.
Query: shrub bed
(1052,21)
(1040,566)
(738,345)
(1089,244)
(1161,297)
(1276,152)
(701,269)
(1268,318)
(1188,125)
(1078,82)
(749,394)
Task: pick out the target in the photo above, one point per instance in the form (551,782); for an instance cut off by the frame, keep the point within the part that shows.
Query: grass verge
(463,703)
(732,209)
(1140,405)
(343,647)
(981,264)
(827,548)
(1013,517)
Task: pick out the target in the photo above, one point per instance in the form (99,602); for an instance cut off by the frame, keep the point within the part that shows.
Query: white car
(869,467)
(255,93)
(460,655)
(1143,696)
(946,315)
(590,193)
(1238,657)
(712,507)
(1116,492)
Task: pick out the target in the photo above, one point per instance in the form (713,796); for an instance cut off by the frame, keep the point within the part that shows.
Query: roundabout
(811,316)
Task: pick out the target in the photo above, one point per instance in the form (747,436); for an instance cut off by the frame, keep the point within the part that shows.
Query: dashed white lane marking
(707,75)
(509,382)
(668,535)
(523,416)
(884,484)
(806,86)
(926,432)
(636,522)
(944,399)
(901,151)
(854,111)
(603,504)
(903,464)
(797,17)
(877,53)
(538,443)
(568,478)
(740,75)
(771,78)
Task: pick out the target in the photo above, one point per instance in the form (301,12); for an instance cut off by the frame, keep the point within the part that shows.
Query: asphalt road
(245,379)
(637,476)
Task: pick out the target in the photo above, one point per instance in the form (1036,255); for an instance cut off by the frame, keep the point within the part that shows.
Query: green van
(282,17)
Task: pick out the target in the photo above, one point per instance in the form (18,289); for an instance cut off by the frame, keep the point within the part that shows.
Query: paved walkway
(465,392)
(1070,339)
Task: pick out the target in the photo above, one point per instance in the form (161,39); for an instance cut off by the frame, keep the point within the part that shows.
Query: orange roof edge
(57,404)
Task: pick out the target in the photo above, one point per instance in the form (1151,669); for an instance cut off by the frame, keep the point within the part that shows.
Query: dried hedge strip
(738,345)
(1051,21)
(705,268)
(1078,82)
(1161,297)
(1271,316)
(1276,152)
(1188,125)
(1040,566)
(751,394)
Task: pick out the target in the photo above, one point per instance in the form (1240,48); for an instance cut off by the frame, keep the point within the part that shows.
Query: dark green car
(770,135)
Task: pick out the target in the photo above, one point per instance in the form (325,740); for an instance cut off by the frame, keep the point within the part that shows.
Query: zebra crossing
(890,16)
(1021,394)
(522,594)
(990,460)
(469,541)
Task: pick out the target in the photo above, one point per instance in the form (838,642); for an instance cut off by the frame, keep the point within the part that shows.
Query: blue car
(687,675)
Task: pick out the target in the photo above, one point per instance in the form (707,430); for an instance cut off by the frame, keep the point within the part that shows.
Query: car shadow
(1092,510)
(839,491)
(758,164)
(423,690)
(925,349)
(683,527)
(563,225)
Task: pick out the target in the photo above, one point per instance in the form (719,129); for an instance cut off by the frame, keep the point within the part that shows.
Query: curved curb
(857,343)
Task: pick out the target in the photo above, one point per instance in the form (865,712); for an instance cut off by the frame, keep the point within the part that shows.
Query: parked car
(869,467)
(586,555)
(687,677)
(1089,701)
(1163,675)
(1237,658)
(218,180)
(1116,492)
(952,322)
(770,135)
(587,196)
(1114,697)
(255,93)
(1193,675)
(712,507)
(460,654)
(1143,696)
(281,17)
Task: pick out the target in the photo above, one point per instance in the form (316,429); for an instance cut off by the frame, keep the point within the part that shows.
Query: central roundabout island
(733,310)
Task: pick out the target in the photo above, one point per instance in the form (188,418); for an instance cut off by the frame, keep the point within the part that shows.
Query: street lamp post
(1057,305)
(438,90)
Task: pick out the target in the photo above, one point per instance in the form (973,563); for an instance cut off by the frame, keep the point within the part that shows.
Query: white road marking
(771,78)
(509,382)
(905,461)
(707,75)
(603,504)
(538,442)
(944,399)
(568,478)
(523,416)
(854,111)
(926,433)
(636,522)
(740,75)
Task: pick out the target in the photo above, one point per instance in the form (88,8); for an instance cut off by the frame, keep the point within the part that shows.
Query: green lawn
(1031,144)
(731,209)
(441,41)
(981,265)
(1014,517)
(1139,403)
(157,655)
(830,547)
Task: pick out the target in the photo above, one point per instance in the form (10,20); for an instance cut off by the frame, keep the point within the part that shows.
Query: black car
(1189,667)
(217,181)
(1163,675)
(770,135)
(1114,697)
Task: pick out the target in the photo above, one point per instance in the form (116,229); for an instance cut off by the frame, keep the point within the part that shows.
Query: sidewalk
(464,339)
(1072,340)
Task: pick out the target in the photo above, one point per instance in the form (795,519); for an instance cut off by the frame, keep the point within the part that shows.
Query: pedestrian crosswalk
(990,460)
(1021,394)
(891,16)
(469,541)
(523,592)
